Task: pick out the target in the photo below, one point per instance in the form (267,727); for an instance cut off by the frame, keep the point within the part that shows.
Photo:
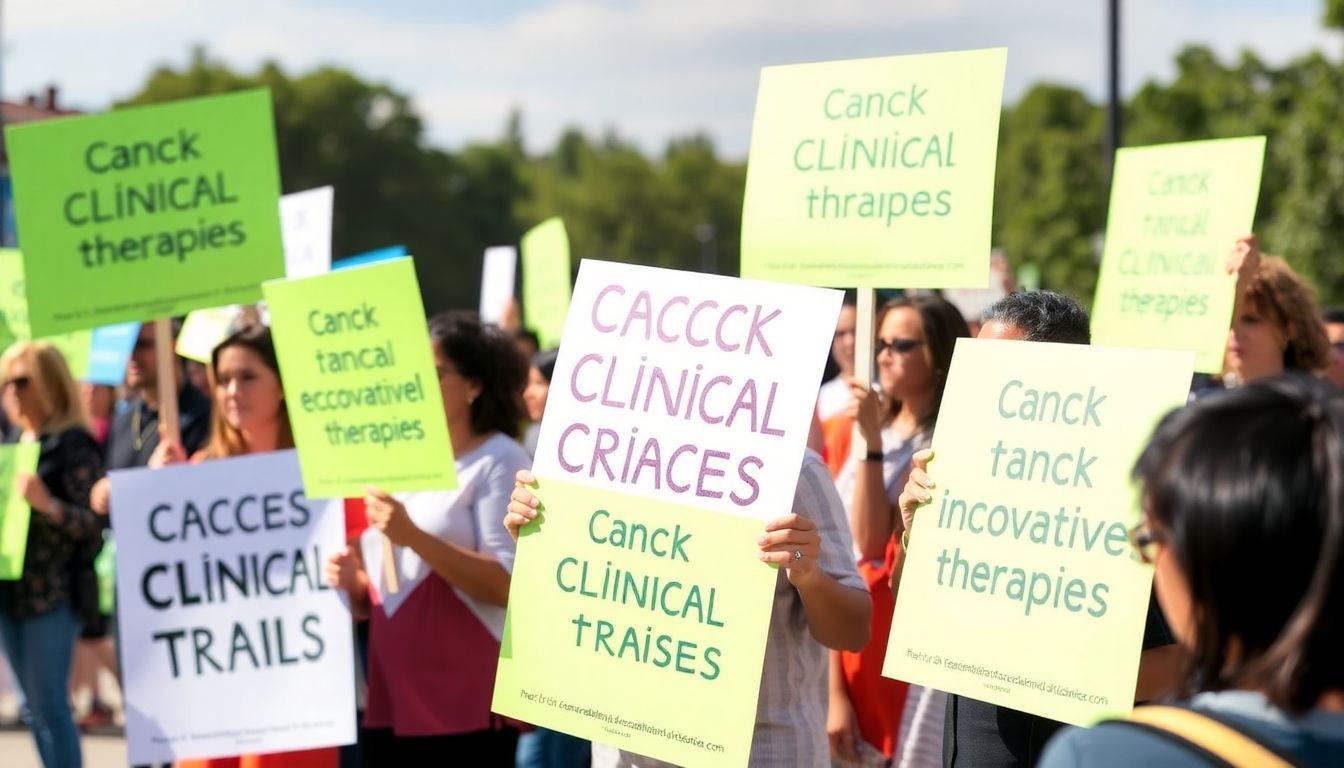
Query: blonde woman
(41,612)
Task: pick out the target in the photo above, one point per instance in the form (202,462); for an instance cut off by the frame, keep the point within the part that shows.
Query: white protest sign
(497,278)
(305,227)
(685,387)
(230,638)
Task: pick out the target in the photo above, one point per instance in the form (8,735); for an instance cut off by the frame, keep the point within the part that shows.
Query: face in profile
(22,402)
(842,347)
(247,391)
(534,396)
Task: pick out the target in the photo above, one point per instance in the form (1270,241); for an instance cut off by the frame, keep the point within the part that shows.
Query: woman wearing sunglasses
(871,715)
(1244,525)
(41,612)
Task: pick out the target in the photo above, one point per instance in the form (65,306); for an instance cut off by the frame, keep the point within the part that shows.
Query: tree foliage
(683,209)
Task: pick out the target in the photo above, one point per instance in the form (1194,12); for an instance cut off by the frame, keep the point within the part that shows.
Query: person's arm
(914,496)
(872,519)
(842,725)
(838,615)
(478,574)
(81,466)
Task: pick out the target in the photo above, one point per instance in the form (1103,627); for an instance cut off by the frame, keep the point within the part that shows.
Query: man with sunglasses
(976,733)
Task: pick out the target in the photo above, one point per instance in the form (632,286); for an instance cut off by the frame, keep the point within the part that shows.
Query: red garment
(326,757)
(878,701)
(431,664)
(356,520)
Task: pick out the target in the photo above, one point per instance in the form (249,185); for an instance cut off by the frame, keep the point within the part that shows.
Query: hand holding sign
(792,542)
(522,503)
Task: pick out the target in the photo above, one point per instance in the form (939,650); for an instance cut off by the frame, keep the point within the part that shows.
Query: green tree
(367,141)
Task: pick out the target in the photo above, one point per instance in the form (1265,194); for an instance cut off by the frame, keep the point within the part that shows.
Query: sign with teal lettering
(147,212)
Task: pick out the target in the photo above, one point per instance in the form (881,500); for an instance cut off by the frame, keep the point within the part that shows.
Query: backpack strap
(1209,736)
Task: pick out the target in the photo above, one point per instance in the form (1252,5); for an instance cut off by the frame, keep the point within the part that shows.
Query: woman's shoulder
(1114,745)
(72,438)
(500,453)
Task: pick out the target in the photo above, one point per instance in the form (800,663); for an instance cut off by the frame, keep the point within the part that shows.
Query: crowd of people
(1242,520)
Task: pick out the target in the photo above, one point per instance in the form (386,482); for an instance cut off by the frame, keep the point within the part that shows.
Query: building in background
(35,107)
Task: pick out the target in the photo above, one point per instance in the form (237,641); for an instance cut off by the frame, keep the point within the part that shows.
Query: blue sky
(651,69)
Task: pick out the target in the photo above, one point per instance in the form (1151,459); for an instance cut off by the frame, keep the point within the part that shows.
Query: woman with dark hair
(434,641)
(915,340)
(535,394)
(1244,523)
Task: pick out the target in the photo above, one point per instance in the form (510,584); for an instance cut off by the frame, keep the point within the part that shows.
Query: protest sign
(14,510)
(360,381)
(497,281)
(1176,211)
(203,330)
(546,280)
(370,257)
(230,638)
(110,351)
(1026,537)
(675,429)
(874,172)
(305,228)
(147,212)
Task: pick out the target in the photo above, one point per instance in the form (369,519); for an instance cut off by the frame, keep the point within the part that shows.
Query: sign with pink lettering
(674,430)
(690,388)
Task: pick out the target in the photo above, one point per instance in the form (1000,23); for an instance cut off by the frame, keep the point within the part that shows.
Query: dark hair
(1333,314)
(1042,316)
(1249,487)
(942,324)
(544,362)
(529,335)
(850,298)
(225,441)
(485,354)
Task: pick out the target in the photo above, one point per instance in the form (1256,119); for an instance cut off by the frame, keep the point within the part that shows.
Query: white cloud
(653,69)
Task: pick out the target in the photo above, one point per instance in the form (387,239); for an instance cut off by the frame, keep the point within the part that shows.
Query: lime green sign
(360,383)
(546,280)
(14,317)
(147,212)
(14,511)
(1026,537)
(1176,211)
(668,599)
(875,172)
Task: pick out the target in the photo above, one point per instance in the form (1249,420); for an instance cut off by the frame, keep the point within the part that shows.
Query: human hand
(842,728)
(1244,258)
(917,487)
(345,571)
(100,496)
(522,503)
(865,409)
(389,516)
(792,542)
(168,451)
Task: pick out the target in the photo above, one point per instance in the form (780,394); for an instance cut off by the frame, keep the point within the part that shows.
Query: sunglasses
(18,382)
(1144,542)
(898,346)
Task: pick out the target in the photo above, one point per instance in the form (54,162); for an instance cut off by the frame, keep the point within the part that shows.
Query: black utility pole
(1112,138)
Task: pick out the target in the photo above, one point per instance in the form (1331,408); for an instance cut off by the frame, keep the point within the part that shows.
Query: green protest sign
(14,511)
(360,381)
(1026,537)
(875,172)
(147,212)
(546,281)
(669,598)
(14,317)
(1175,212)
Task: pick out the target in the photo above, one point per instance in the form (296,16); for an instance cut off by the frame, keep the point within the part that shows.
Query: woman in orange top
(249,416)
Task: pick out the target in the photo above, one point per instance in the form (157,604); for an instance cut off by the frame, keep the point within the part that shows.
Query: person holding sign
(249,417)
(915,339)
(1253,477)
(820,603)
(1275,325)
(977,733)
(434,638)
(40,614)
